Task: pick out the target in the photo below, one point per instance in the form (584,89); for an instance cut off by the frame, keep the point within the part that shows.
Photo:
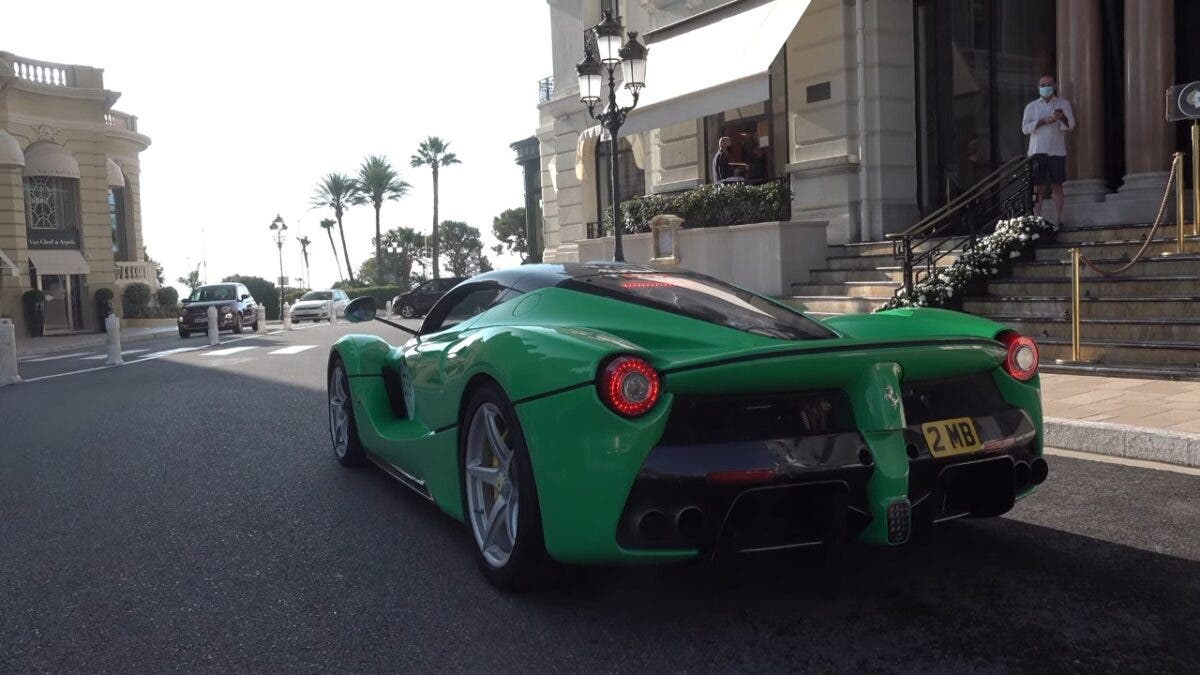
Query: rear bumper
(191,324)
(309,314)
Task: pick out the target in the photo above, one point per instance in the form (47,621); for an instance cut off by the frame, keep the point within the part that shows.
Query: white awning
(585,151)
(116,177)
(58,261)
(715,61)
(50,159)
(7,265)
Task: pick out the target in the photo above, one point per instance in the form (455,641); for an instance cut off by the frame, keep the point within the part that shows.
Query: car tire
(254,326)
(184,334)
(237,324)
(343,432)
(407,311)
(487,477)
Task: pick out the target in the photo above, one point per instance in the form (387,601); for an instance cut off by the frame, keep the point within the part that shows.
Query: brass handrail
(990,181)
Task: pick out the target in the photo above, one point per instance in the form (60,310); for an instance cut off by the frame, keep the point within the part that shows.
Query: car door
(427,368)
(248,305)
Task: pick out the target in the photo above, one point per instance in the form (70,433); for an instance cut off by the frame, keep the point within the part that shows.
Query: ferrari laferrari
(611,412)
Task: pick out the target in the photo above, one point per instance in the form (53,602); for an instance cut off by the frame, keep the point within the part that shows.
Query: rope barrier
(1172,179)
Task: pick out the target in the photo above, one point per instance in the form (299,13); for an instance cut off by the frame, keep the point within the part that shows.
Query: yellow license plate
(952,437)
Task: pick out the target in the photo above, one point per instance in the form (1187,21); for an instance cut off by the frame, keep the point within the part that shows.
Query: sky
(248,104)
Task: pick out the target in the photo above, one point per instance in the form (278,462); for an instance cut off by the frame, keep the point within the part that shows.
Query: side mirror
(361,309)
(246,296)
(185,301)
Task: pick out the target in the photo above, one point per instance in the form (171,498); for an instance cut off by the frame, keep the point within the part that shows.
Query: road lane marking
(294,349)
(144,359)
(40,359)
(167,352)
(97,357)
(230,350)
(1124,461)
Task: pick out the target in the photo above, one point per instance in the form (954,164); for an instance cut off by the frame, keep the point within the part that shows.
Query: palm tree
(433,152)
(304,242)
(377,181)
(339,192)
(327,225)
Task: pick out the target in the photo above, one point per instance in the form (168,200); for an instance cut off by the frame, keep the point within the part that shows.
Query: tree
(158,268)
(397,268)
(304,242)
(327,225)
(509,229)
(434,153)
(464,249)
(339,192)
(192,280)
(378,181)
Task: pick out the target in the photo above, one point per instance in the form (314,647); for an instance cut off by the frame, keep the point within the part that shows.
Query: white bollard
(286,314)
(214,337)
(8,353)
(332,313)
(260,318)
(112,326)
(387,309)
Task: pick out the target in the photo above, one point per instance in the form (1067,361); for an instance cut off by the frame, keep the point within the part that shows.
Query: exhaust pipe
(652,525)
(1021,473)
(689,522)
(1038,470)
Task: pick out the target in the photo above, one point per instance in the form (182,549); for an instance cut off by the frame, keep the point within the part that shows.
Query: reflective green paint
(544,349)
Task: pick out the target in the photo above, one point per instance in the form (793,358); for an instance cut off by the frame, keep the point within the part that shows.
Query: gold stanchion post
(1195,177)
(1180,218)
(1075,306)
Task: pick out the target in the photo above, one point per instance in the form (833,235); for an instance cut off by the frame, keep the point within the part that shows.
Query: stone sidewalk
(69,343)
(1156,420)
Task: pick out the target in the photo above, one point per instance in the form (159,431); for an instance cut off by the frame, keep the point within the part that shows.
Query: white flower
(1014,254)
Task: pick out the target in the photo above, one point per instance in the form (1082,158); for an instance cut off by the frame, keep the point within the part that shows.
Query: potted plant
(35,311)
(104,306)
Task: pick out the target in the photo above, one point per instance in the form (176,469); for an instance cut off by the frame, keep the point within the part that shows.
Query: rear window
(704,298)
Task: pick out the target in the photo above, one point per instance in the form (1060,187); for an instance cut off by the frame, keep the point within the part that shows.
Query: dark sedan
(418,301)
(235,306)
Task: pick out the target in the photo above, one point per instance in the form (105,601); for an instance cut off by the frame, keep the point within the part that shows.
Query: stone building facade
(70,192)
(876,112)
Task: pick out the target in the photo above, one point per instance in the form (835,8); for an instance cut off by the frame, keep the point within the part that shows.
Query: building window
(760,142)
(631,181)
(116,218)
(52,212)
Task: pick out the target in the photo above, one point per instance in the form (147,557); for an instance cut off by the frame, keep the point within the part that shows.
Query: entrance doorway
(977,62)
(64,301)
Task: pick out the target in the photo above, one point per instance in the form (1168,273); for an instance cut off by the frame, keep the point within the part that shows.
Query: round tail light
(1023,356)
(629,385)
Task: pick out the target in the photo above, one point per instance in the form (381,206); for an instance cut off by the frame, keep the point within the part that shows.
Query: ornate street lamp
(279,233)
(603,60)
(394,249)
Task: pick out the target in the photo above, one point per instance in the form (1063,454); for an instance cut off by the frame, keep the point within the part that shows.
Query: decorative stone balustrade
(120,120)
(43,72)
(131,271)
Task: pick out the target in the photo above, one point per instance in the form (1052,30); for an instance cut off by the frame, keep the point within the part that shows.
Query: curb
(1124,440)
(99,341)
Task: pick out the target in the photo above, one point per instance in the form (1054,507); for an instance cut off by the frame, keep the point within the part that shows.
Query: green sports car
(601,412)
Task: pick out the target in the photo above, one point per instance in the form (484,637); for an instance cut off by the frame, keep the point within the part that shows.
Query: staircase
(1144,322)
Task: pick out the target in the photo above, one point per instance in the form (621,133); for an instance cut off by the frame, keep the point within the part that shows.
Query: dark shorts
(1050,169)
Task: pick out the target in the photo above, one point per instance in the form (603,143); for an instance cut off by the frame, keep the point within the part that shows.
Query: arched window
(631,179)
(51,197)
(117,217)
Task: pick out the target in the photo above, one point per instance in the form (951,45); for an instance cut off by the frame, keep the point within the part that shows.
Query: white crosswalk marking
(294,349)
(229,350)
(40,359)
(125,352)
(168,352)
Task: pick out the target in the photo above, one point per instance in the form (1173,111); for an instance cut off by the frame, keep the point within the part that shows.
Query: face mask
(1046,91)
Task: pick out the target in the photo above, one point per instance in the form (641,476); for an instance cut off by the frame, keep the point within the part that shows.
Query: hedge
(135,299)
(709,206)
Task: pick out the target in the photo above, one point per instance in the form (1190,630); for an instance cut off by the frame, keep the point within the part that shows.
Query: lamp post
(393,249)
(279,233)
(602,60)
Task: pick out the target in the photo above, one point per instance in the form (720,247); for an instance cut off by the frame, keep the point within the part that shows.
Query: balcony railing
(43,72)
(545,89)
(120,120)
(131,271)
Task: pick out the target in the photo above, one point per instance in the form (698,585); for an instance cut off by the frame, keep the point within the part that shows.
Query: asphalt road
(185,512)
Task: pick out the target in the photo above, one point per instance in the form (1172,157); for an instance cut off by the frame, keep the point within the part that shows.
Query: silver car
(314,305)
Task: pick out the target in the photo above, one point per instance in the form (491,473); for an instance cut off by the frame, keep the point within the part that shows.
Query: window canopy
(714,61)
(50,159)
(116,177)
(58,261)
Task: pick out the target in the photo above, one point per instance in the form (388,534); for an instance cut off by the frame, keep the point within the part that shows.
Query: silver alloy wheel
(492,490)
(406,311)
(339,411)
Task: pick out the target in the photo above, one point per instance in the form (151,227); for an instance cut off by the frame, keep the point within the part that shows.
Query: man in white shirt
(1047,120)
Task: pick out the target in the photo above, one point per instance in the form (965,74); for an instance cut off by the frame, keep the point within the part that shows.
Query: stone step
(1176,265)
(1145,371)
(859,262)
(880,274)
(1102,233)
(1112,250)
(1121,330)
(1184,354)
(834,305)
(1115,287)
(1133,308)
(862,248)
(856,289)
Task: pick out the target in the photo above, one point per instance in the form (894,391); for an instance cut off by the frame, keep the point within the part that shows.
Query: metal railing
(957,227)
(545,89)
